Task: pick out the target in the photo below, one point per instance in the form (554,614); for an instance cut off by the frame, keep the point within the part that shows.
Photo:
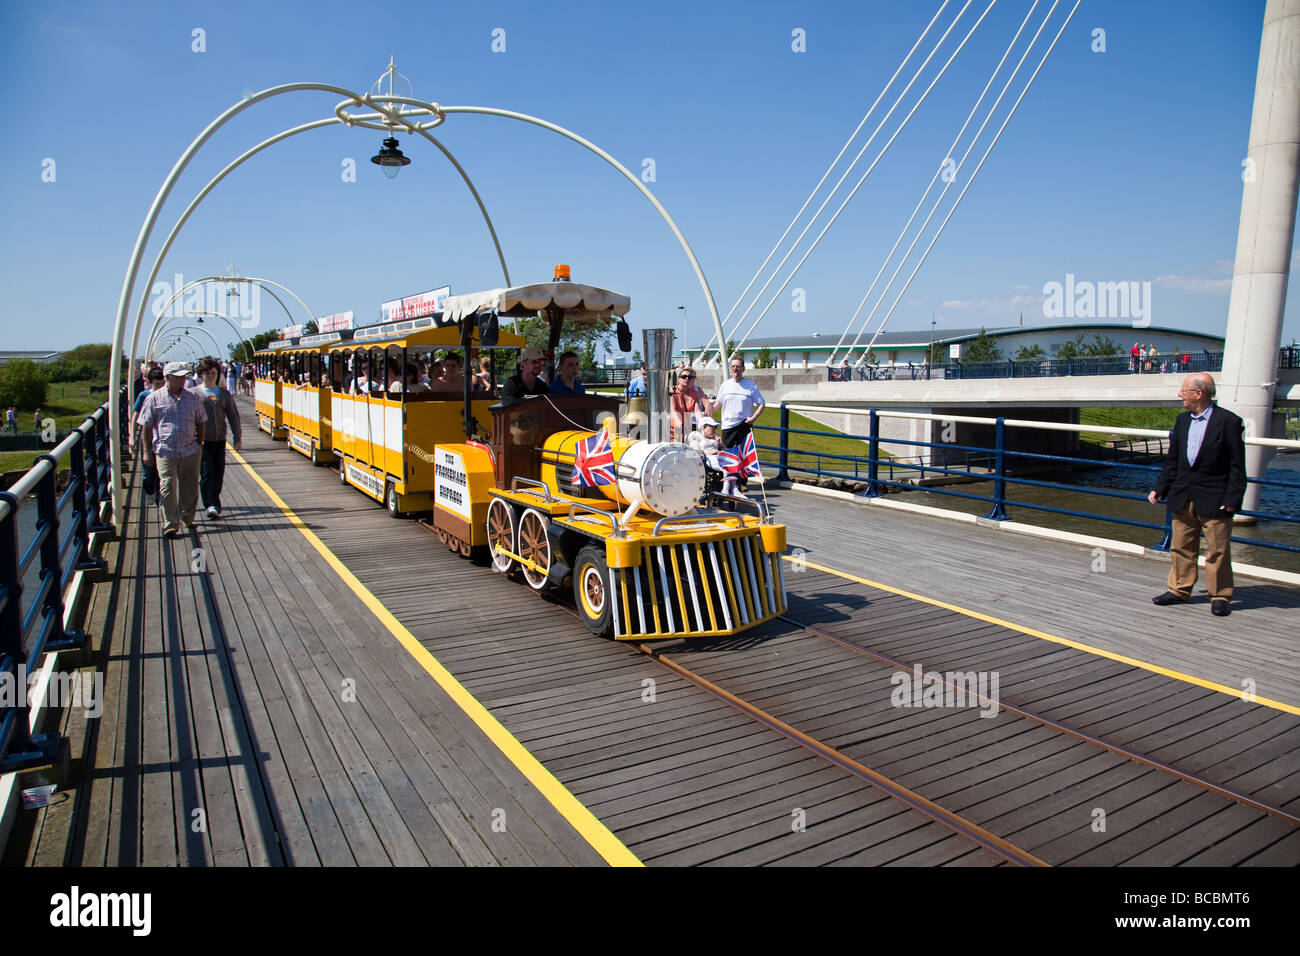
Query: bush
(71,371)
(98,355)
(22,383)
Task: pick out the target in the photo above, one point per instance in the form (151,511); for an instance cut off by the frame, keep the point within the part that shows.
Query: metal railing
(1183,361)
(33,625)
(1004,467)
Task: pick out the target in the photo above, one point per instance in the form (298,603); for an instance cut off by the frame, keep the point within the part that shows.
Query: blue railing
(1180,361)
(1002,466)
(32,625)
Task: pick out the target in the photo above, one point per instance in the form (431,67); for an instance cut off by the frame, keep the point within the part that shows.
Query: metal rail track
(1078,734)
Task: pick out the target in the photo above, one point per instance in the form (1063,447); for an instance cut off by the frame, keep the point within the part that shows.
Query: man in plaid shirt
(173,420)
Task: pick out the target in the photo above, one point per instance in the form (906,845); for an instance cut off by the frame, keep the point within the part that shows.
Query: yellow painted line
(579,817)
(1056,639)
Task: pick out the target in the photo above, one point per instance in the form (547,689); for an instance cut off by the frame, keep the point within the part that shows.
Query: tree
(765,359)
(573,337)
(1074,348)
(983,349)
(243,351)
(96,354)
(1101,346)
(71,371)
(1028,353)
(311,328)
(938,353)
(22,383)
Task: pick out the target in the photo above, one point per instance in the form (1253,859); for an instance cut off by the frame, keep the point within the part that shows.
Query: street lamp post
(683,310)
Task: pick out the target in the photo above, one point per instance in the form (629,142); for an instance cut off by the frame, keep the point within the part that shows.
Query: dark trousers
(150,479)
(212,472)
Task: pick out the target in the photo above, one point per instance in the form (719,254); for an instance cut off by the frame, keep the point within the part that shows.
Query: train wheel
(393,501)
(466,549)
(500,530)
(533,544)
(591,590)
(315,454)
(343,471)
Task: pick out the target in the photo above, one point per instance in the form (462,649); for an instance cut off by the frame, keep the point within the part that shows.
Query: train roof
(432,330)
(583,304)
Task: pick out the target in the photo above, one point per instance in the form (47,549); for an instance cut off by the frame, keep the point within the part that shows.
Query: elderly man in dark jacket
(1203,484)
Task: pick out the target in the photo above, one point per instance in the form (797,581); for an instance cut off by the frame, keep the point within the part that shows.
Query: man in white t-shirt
(741,403)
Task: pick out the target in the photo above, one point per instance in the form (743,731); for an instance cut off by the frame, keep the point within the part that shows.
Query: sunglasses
(687,378)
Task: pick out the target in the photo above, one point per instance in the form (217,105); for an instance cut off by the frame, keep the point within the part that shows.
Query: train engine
(560,498)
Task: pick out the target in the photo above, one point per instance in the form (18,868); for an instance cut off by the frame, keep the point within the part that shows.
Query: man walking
(741,404)
(220,406)
(150,471)
(173,420)
(1203,483)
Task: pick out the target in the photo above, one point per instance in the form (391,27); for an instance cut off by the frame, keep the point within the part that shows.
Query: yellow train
(546,487)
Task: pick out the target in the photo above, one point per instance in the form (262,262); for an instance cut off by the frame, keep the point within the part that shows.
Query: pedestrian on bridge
(173,419)
(220,407)
(1203,485)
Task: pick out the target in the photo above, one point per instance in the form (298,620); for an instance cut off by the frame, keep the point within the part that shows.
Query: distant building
(911,347)
(39,357)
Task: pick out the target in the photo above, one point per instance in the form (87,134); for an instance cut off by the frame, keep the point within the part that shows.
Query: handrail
(698,515)
(615,528)
(26,635)
(998,458)
(517,481)
(1010,423)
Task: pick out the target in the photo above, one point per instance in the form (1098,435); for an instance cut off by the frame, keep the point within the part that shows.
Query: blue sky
(1123,165)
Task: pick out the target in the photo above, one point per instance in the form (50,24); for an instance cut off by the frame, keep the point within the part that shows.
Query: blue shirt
(636,388)
(559,388)
(1196,434)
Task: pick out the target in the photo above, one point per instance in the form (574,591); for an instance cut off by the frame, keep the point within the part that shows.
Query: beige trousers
(179,488)
(1185,544)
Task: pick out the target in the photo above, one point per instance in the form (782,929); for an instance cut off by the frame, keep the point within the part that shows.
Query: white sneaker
(740,494)
(213,512)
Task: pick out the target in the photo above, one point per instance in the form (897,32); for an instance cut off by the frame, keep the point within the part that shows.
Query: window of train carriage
(313,371)
(394,376)
(341,366)
(378,376)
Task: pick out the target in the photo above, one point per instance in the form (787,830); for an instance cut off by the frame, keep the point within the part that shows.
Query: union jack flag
(594,461)
(741,460)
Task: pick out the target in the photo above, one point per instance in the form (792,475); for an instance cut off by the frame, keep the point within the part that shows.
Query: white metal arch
(392,118)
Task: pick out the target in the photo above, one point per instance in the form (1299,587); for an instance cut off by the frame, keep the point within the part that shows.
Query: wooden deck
(230,699)
(258,713)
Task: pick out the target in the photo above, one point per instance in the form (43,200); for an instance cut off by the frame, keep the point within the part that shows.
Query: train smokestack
(658,375)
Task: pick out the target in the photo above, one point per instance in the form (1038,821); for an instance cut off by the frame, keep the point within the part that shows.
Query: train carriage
(305,395)
(269,365)
(384,427)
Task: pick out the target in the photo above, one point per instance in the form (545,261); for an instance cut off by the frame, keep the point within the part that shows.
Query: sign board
(414,306)
(291,332)
(451,483)
(954,351)
(336,322)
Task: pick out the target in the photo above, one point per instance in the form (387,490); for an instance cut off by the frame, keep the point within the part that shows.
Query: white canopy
(581,303)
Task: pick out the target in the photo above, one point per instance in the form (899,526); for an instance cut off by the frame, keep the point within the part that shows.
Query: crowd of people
(179,426)
(1148,358)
